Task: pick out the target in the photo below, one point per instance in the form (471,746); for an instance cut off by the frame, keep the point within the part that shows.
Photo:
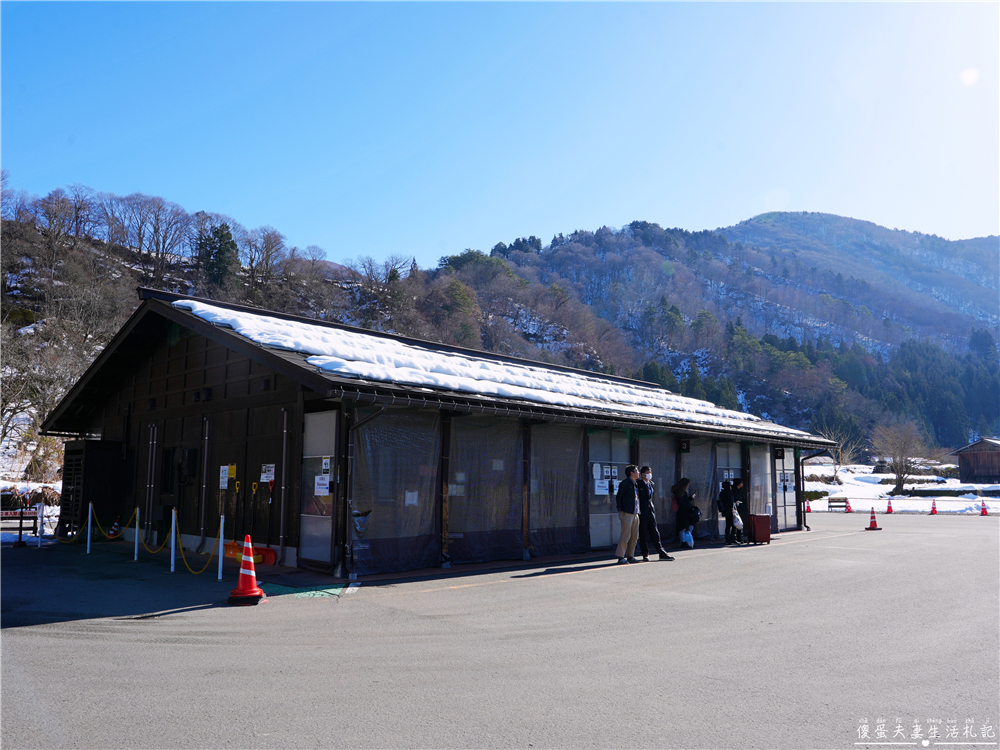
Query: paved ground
(789,645)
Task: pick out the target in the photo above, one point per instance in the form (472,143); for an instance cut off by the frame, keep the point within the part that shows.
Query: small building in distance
(979,462)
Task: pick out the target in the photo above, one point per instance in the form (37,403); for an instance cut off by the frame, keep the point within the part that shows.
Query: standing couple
(637,516)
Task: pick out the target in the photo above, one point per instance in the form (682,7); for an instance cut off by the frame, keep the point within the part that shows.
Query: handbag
(737,520)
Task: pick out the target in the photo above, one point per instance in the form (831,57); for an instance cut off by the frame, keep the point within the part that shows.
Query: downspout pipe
(284,482)
(204,484)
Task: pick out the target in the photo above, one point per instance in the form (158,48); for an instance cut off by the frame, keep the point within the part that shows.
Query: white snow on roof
(352,354)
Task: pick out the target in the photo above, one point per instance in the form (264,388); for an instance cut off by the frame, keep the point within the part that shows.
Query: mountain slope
(939,275)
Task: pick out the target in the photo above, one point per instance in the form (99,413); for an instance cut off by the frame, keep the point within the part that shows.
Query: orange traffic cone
(246,591)
(872,526)
(888,508)
(115,530)
(847,509)
(984,512)
(808,509)
(933,507)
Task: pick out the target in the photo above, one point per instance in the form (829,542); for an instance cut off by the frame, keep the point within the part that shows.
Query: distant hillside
(923,275)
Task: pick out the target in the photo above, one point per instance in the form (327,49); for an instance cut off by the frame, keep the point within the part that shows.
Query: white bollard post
(222,525)
(173,538)
(136,558)
(41,523)
(90,515)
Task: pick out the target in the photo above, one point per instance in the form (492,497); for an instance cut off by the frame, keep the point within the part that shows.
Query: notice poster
(326,464)
(322,485)
(223,477)
(411,498)
(600,486)
(597,471)
(267,473)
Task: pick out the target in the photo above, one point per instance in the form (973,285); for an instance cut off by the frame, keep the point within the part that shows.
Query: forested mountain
(812,320)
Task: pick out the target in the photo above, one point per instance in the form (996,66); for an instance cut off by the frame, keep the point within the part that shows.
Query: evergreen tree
(693,387)
(219,255)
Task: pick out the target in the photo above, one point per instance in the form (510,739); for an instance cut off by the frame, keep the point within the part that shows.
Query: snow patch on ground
(864,492)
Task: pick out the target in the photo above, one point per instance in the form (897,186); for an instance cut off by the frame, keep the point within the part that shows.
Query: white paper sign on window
(600,486)
(322,485)
(411,498)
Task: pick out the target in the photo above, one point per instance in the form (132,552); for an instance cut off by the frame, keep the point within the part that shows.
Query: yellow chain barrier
(208,562)
(214,547)
(127,524)
(75,539)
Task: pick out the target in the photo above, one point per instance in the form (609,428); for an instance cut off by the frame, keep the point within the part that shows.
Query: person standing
(737,501)
(687,514)
(727,506)
(627,500)
(647,516)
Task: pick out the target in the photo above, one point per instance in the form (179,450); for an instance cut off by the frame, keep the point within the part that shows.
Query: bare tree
(54,218)
(261,252)
(376,290)
(138,210)
(168,225)
(110,212)
(6,195)
(85,216)
(847,449)
(16,394)
(900,444)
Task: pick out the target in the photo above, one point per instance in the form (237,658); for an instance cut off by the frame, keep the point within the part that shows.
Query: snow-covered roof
(353,354)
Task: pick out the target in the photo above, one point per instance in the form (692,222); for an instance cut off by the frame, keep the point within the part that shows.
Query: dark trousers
(647,529)
(730,528)
(733,534)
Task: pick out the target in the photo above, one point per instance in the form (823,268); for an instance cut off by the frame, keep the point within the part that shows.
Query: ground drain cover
(276,589)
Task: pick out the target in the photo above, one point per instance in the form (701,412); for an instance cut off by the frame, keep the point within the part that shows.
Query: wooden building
(358,452)
(979,462)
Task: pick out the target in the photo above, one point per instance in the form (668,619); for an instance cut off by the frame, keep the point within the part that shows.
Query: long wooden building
(358,452)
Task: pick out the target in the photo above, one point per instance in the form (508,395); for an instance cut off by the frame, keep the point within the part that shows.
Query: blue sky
(426,128)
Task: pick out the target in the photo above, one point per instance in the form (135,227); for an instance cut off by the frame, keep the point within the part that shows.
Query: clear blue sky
(424,129)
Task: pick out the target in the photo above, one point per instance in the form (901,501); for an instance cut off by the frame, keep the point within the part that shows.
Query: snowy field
(862,489)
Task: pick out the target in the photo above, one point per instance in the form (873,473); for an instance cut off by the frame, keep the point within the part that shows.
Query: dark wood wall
(188,384)
(980,466)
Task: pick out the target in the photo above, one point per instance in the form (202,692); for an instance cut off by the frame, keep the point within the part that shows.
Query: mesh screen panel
(699,467)
(760,479)
(485,489)
(659,453)
(558,504)
(394,492)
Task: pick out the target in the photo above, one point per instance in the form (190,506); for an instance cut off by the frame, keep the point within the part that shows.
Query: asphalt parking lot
(798,644)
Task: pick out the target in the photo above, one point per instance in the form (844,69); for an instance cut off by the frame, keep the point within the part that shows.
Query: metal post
(90,514)
(20,529)
(41,523)
(173,538)
(136,558)
(284,474)
(204,485)
(222,525)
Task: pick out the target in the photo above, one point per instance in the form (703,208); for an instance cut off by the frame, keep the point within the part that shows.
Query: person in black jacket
(727,506)
(628,513)
(647,516)
(737,501)
(687,514)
